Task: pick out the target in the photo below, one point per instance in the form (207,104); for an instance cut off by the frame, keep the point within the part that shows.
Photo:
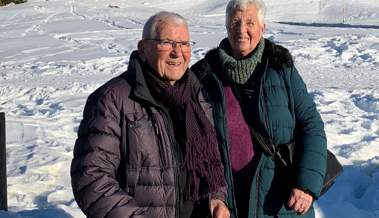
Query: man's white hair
(149,29)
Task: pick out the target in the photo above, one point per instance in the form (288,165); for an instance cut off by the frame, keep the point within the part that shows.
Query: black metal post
(3,165)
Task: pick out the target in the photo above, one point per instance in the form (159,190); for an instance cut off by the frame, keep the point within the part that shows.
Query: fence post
(3,165)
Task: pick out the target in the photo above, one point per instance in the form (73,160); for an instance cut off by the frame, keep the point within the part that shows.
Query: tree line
(6,2)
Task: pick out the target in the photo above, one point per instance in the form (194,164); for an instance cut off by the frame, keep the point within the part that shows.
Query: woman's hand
(300,201)
(219,209)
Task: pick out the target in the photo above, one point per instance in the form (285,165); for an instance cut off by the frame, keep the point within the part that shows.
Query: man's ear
(141,50)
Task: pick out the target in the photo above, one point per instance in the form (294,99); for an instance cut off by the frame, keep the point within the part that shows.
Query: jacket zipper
(228,146)
(264,104)
(175,166)
(256,195)
(266,115)
(231,177)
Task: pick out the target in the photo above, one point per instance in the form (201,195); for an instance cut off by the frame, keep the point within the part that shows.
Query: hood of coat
(278,56)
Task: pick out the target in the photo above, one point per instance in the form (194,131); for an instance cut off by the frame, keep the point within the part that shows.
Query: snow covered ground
(54,53)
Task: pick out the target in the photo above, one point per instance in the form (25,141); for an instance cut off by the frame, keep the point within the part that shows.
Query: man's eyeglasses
(169,45)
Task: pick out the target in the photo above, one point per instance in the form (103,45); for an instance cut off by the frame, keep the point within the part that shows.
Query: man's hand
(300,201)
(219,209)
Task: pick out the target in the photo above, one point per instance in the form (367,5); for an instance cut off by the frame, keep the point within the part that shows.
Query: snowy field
(54,53)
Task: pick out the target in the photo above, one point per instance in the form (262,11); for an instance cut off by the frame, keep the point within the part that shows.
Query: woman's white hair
(149,29)
(234,5)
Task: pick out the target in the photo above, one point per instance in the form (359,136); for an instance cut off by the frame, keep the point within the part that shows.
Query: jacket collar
(137,79)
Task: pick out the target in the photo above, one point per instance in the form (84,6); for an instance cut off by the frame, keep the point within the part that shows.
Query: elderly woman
(252,83)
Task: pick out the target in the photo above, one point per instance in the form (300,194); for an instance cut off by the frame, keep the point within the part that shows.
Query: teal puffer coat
(285,109)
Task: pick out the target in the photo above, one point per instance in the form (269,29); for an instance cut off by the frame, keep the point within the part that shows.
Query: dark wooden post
(3,165)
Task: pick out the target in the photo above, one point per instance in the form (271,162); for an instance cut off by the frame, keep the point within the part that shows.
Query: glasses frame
(173,44)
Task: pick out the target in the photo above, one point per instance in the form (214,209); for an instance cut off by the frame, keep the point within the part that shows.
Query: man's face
(169,64)
(244,31)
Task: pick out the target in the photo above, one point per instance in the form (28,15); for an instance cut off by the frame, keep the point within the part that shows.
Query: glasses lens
(186,46)
(168,45)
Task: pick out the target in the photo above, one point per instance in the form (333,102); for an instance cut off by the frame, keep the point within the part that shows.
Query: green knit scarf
(238,71)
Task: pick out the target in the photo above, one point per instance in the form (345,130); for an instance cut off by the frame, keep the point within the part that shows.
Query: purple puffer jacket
(121,119)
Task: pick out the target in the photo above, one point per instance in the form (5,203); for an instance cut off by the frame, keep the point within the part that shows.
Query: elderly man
(146,146)
(254,86)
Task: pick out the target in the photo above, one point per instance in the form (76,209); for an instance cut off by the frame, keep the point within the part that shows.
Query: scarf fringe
(202,163)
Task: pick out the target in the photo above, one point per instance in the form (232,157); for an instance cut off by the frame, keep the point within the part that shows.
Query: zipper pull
(153,121)
(156,128)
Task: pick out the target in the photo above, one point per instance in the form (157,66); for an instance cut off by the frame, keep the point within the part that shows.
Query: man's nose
(177,48)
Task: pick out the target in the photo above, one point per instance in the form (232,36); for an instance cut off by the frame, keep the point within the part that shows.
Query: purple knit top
(241,146)
(241,152)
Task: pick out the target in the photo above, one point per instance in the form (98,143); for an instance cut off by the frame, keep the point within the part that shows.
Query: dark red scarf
(202,158)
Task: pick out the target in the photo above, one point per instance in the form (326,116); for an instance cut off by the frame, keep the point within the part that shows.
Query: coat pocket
(142,144)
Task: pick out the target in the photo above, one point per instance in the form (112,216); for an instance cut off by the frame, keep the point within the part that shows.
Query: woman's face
(244,31)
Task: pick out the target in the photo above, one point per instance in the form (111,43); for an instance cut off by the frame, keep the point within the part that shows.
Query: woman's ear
(141,50)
